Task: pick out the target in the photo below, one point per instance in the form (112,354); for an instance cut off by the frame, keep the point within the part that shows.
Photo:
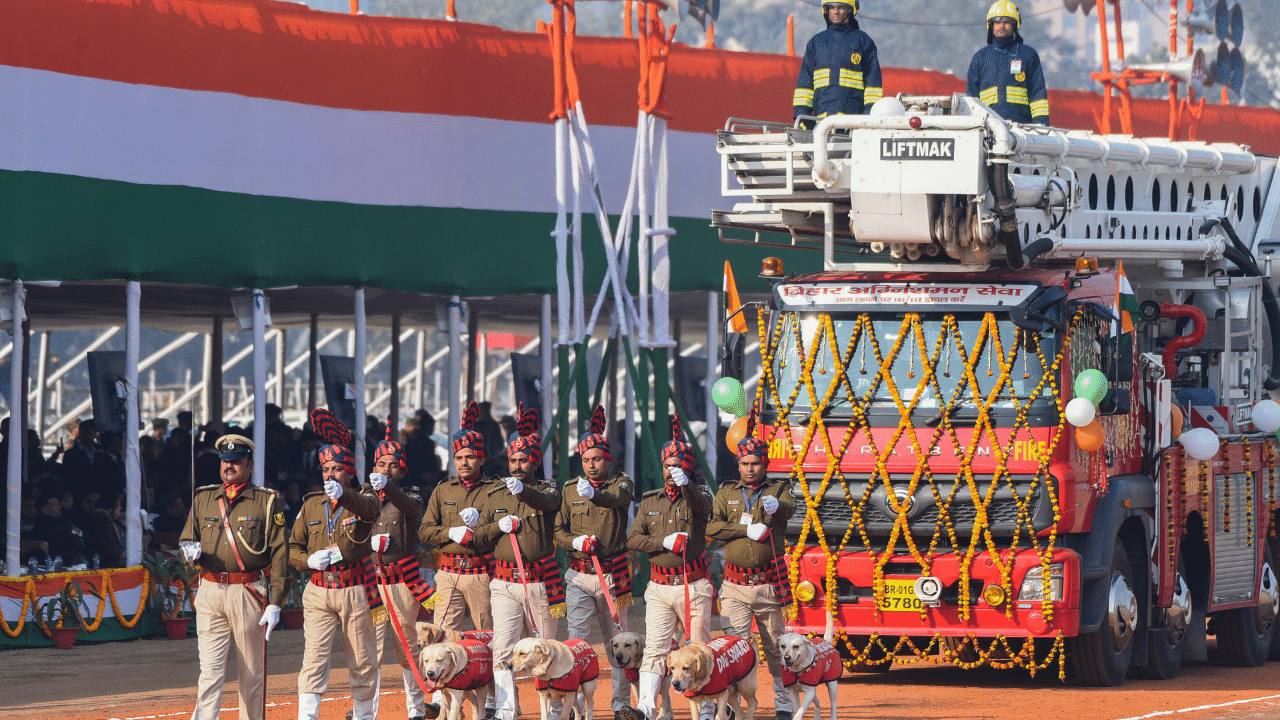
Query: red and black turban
(527,438)
(594,438)
(466,438)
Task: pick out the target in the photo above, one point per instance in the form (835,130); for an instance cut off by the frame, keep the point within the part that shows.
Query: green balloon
(730,396)
(1091,385)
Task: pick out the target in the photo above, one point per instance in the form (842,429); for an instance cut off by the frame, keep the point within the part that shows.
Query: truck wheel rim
(1122,610)
(1268,599)
(1179,615)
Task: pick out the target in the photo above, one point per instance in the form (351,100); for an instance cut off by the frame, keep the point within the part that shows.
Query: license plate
(900,595)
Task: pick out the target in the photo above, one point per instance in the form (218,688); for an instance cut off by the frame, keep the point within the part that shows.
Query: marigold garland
(1248,493)
(108,595)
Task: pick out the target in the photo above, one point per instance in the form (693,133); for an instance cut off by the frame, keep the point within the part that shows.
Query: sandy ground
(156,679)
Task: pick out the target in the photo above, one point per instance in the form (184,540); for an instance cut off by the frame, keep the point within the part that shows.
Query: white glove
(319,560)
(586,489)
(510,523)
(675,542)
(377,480)
(757,531)
(769,503)
(469,516)
(270,616)
(678,477)
(584,543)
(380,542)
(333,489)
(460,534)
(190,551)
(515,486)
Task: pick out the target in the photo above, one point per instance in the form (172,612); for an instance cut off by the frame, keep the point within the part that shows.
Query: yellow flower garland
(29,600)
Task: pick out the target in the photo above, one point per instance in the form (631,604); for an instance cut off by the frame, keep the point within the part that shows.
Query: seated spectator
(105,532)
(173,514)
(64,539)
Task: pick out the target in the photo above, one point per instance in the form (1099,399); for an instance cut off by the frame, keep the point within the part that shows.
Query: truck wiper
(936,419)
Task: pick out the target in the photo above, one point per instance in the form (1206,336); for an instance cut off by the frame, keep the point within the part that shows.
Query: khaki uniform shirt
(604,515)
(450,498)
(726,521)
(352,525)
(399,519)
(536,507)
(257,521)
(658,517)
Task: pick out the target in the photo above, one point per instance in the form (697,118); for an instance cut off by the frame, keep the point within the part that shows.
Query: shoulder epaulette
(202,488)
(651,492)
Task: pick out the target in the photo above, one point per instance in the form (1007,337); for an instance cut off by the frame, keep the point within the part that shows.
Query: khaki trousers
(227,613)
(585,600)
(399,598)
(326,613)
(738,604)
(510,624)
(457,593)
(664,612)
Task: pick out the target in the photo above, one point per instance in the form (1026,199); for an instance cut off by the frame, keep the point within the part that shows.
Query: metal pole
(13,523)
(42,371)
(259,388)
(473,337)
(132,464)
(215,374)
(359,429)
(312,352)
(393,415)
(280,343)
(712,413)
(546,348)
(206,367)
(455,367)
(419,384)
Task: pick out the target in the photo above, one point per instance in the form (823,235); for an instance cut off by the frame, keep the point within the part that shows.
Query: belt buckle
(223,578)
(677,579)
(463,562)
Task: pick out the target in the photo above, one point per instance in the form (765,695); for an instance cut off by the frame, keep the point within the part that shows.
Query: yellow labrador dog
(459,670)
(717,671)
(626,650)
(561,670)
(808,663)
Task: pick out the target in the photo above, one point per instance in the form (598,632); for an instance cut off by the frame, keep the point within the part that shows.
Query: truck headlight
(805,591)
(1033,584)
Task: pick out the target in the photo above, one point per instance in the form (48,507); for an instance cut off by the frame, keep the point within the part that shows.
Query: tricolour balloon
(1175,421)
(737,431)
(1092,385)
(1091,437)
(729,395)
(1200,443)
(1080,412)
(1266,416)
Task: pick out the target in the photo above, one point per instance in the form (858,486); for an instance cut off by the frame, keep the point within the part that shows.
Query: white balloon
(888,107)
(1200,443)
(1266,416)
(1080,412)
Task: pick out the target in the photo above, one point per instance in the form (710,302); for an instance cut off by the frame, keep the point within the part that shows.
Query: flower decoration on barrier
(929,358)
(105,593)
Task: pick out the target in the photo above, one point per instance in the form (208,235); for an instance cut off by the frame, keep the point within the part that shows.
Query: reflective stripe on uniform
(821,78)
(872,94)
(1015,95)
(851,78)
(1040,108)
(803,97)
(990,96)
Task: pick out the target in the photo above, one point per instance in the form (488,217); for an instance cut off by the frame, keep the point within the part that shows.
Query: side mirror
(1116,402)
(733,362)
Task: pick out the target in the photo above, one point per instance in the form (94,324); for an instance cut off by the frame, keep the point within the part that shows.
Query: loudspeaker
(339,373)
(1189,69)
(691,378)
(107,388)
(526,380)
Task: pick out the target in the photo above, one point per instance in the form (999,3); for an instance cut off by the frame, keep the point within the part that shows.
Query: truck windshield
(989,343)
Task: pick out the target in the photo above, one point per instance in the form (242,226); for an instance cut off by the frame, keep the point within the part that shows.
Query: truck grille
(837,515)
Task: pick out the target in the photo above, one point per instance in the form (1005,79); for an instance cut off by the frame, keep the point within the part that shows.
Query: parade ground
(156,679)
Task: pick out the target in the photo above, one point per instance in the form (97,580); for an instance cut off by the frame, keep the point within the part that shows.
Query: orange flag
(732,303)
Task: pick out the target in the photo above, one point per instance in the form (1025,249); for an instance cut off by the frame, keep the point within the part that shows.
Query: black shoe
(490,713)
(782,715)
(431,711)
(351,714)
(628,713)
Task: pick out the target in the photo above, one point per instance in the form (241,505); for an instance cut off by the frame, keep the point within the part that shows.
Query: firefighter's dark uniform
(840,74)
(1006,76)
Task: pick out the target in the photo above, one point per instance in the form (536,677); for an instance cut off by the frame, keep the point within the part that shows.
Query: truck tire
(1101,658)
(1245,634)
(1165,645)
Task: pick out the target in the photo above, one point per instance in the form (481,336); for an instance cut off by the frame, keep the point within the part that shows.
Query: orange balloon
(1175,421)
(737,431)
(1091,437)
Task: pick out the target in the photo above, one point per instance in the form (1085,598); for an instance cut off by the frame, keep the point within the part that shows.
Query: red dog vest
(484,636)
(586,667)
(479,669)
(731,660)
(825,668)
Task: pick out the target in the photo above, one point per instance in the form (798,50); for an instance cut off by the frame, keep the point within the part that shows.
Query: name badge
(335,555)
(1015,67)
(745,519)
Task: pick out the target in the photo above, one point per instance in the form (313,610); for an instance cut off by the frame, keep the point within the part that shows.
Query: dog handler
(751,516)
(671,525)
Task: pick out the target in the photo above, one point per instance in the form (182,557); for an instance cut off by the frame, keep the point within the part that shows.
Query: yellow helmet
(1004,9)
(853,4)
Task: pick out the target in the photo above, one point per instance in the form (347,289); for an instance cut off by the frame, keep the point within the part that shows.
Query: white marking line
(1162,713)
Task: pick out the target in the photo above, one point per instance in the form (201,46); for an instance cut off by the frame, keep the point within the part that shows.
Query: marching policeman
(235,535)
(331,536)
(671,525)
(592,526)
(453,513)
(750,516)
(395,565)
(1006,75)
(527,591)
(840,74)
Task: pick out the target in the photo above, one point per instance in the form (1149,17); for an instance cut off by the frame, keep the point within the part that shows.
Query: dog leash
(688,607)
(395,622)
(524,583)
(606,589)
(777,585)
